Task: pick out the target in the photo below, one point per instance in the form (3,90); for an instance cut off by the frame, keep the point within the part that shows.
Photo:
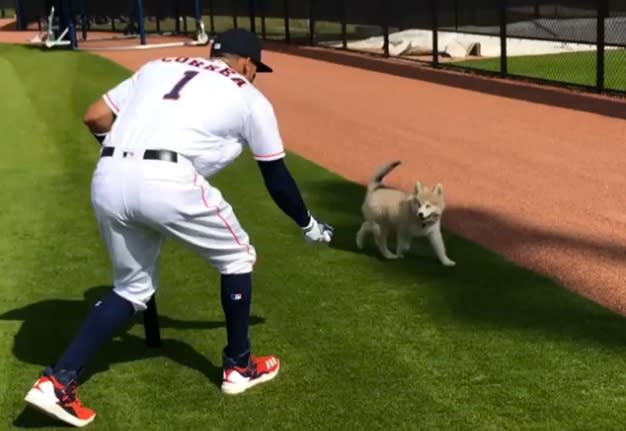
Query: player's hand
(317,231)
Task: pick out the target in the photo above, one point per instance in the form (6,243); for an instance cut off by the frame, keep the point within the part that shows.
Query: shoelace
(69,393)
(252,367)
(250,370)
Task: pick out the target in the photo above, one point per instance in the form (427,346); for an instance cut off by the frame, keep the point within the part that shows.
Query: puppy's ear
(438,190)
(418,188)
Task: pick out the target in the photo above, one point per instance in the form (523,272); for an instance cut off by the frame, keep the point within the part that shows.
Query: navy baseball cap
(240,42)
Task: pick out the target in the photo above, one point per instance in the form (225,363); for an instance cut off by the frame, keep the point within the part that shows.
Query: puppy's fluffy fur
(409,215)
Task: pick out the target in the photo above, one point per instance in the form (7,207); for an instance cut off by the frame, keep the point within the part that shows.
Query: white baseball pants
(139,203)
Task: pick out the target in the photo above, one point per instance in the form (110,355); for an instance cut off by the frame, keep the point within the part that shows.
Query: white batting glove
(317,231)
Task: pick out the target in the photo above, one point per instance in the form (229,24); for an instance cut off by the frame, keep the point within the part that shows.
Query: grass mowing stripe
(49,219)
(22,213)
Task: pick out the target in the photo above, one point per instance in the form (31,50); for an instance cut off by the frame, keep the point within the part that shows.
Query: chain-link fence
(615,40)
(573,42)
(547,25)
(7,8)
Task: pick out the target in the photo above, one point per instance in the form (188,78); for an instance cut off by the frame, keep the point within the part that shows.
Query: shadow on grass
(484,289)
(49,325)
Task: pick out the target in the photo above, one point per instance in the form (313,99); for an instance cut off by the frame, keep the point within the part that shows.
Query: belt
(165,155)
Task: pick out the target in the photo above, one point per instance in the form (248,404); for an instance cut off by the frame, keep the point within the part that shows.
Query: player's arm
(267,148)
(101,114)
(284,190)
(99,119)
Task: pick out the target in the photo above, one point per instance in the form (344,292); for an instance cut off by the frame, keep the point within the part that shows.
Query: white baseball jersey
(198,107)
(206,112)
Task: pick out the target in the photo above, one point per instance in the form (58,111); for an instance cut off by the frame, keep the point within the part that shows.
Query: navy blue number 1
(174,93)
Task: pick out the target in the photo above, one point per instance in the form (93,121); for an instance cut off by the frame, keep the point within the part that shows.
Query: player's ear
(245,64)
(249,69)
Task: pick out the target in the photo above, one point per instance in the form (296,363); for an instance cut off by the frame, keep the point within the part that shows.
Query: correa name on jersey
(205,65)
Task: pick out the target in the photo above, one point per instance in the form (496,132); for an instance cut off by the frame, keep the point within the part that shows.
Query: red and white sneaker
(58,400)
(238,379)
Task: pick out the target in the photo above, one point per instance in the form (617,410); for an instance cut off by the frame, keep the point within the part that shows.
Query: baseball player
(165,130)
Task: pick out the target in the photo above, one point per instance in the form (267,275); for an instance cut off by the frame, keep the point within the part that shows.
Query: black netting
(223,14)
(476,17)
(241,12)
(327,15)
(33,10)
(272,8)
(365,23)
(273,13)
(7,8)
(110,8)
(410,14)
(615,24)
(573,21)
(481,16)
(615,38)
(410,30)
(538,25)
(299,26)
(160,16)
(468,30)
(546,39)
(365,12)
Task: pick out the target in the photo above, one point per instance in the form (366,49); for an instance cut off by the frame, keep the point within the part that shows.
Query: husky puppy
(408,214)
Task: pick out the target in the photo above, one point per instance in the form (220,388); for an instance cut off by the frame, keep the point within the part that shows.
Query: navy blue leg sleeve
(236,302)
(105,318)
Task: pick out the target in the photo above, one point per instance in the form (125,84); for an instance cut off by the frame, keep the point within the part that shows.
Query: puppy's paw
(359,242)
(391,256)
(448,262)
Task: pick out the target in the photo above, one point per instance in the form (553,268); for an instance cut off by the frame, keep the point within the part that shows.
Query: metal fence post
(263,26)
(84,21)
(603,11)
(343,17)
(536,10)
(252,13)
(435,24)
(211,18)
(503,54)
(311,22)
(385,24)
(197,15)
(287,31)
(19,14)
(177,14)
(140,18)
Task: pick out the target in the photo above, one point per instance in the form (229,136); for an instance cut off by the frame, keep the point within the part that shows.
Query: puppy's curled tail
(381,173)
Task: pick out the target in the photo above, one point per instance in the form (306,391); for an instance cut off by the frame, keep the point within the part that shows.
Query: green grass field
(366,344)
(575,68)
